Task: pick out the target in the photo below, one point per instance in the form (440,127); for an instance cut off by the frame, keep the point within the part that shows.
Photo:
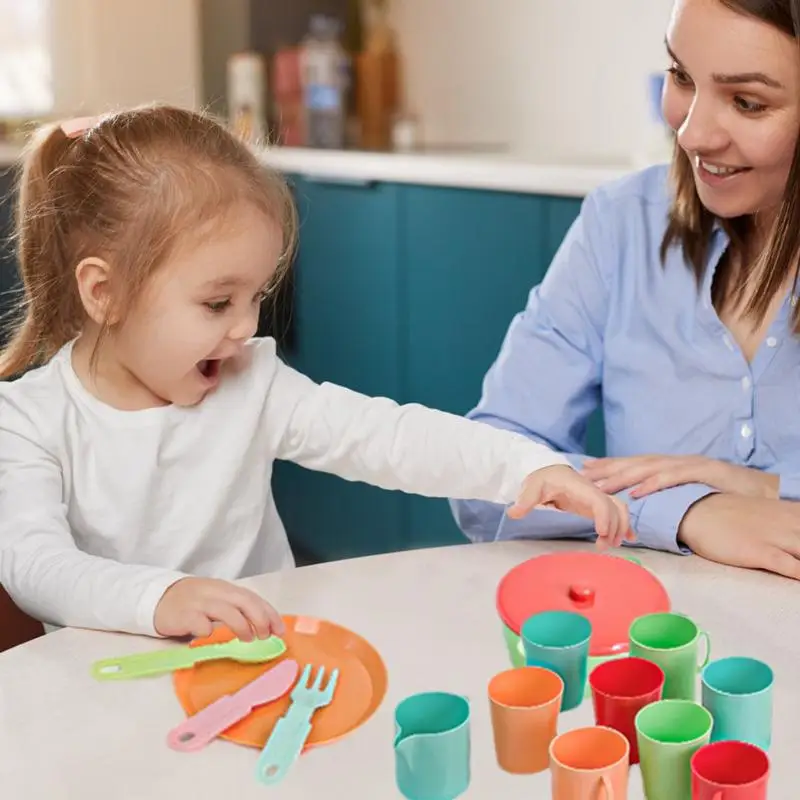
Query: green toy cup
(673,642)
(668,734)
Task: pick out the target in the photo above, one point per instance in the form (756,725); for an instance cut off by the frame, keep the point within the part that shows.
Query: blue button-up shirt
(610,324)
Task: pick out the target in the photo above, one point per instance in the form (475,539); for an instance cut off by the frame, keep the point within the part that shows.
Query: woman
(672,299)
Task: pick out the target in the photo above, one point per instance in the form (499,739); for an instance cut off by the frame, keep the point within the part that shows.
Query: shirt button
(728,342)
(746,383)
(772,341)
(747,431)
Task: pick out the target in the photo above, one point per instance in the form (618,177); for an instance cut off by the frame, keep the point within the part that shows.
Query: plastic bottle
(325,67)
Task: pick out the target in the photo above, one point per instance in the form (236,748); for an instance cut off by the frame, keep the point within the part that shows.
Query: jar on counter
(246,90)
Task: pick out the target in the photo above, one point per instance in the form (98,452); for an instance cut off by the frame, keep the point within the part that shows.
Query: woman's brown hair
(128,189)
(691,224)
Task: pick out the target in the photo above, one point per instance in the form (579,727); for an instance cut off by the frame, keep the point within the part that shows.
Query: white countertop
(499,172)
(466,169)
(63,735)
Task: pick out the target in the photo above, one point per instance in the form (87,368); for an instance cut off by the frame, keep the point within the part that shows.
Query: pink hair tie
(75,127)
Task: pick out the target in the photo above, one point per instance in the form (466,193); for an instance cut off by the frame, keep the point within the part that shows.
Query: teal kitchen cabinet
(346,319)
(471,258)
(560,213)
(9,280)
(404,291)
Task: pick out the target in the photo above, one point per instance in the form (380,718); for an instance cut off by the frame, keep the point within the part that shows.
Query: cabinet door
(9,280)
(346,317)
(561,213)
(472,257)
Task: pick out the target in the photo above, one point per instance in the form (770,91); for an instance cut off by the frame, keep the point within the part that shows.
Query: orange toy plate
(360,689)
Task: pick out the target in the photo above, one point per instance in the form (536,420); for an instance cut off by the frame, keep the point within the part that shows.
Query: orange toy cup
(524,704)
(590,764)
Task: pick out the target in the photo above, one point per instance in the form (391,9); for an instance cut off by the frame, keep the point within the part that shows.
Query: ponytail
(51,311)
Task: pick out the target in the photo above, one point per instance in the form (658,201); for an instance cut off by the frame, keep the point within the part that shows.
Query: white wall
(225,29)
(114,53)
(555,80)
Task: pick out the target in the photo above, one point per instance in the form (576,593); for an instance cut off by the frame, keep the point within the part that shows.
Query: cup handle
(608,789)
(707,638)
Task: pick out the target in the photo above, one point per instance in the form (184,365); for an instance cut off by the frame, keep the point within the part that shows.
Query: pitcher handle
(707,638)
(608,789)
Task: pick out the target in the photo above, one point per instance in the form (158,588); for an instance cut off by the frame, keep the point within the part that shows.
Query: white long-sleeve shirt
(101,510)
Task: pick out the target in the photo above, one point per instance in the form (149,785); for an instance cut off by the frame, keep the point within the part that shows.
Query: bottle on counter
(246,89)
(287,94)
(325,66)
(353,41)
(378,82)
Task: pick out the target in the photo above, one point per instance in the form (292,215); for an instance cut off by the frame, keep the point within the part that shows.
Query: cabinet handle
(362,183)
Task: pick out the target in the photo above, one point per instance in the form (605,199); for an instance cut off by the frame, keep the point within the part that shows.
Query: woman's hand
(648,474)
(563,488)
(192,606)
(745,532)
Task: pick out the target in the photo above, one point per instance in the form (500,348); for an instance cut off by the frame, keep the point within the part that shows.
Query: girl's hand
(563,488)
(191,607)
(648,474)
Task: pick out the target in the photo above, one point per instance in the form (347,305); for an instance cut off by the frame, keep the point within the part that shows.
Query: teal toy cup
(559,641)
(738,693)
(432,746)
(516,655)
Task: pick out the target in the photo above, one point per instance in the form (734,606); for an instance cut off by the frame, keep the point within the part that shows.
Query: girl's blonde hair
(129,189)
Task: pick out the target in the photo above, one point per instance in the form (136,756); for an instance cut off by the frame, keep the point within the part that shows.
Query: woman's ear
(94,286)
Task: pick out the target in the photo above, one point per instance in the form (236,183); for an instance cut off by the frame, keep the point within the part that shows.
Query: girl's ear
(94,286)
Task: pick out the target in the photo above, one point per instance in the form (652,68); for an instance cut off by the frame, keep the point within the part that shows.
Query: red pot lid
(610,591)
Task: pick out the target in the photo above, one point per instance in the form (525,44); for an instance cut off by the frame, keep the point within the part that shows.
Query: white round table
(431,614)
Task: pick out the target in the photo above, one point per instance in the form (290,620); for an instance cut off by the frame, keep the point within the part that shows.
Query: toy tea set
(578,627)
(603,625)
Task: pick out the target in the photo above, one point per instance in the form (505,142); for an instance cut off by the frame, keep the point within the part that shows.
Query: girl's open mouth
(210,368)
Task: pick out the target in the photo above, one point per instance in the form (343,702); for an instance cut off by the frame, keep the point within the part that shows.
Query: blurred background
(438,151)
(552,80)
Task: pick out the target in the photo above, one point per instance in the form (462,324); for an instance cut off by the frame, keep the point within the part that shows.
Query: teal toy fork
(291,731)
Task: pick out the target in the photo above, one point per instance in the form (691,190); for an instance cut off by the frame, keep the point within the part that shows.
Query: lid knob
(581,594)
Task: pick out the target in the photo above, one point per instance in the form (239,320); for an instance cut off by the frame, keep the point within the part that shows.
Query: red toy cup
(730,770)
(621,687)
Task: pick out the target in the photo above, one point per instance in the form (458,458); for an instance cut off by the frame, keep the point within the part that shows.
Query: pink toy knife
(197,731)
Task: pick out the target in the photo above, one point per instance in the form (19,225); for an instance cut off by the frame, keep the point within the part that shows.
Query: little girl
(136,450)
